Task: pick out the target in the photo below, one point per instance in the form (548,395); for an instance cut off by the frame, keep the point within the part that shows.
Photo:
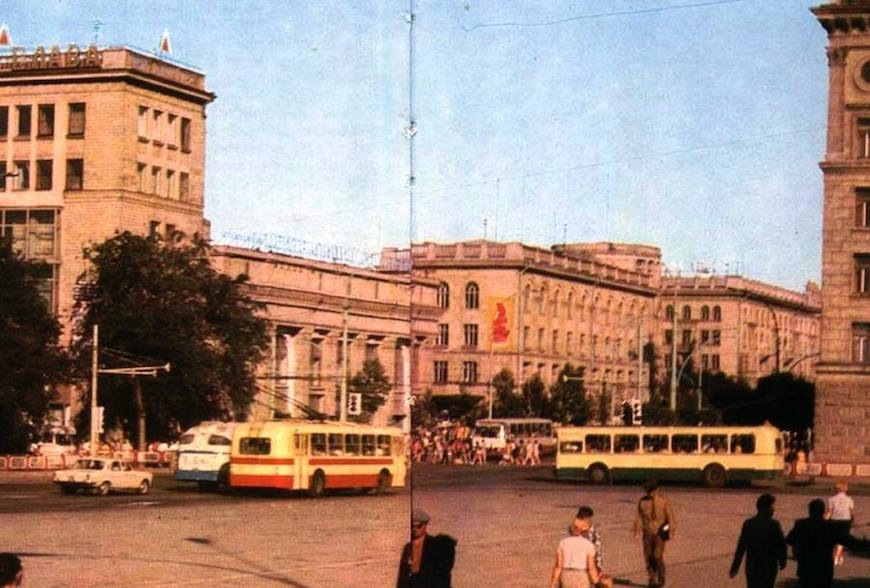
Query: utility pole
(343,400)
(674,354)
(95,370)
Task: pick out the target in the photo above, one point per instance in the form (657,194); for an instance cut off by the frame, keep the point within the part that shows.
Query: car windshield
(89,464)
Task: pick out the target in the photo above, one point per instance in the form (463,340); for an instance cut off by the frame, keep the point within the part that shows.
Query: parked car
(102,475)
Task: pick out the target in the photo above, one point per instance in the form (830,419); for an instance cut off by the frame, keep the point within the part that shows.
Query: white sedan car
(102,474)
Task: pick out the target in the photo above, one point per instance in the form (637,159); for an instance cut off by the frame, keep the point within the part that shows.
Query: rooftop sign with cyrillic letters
(47,59)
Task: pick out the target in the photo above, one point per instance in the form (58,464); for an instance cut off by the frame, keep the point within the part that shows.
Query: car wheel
(714,475)
(383,482)
(598,474)
(318,485)
(144,486)
(103,488)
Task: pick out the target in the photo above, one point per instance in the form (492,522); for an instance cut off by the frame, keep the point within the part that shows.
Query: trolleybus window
(571,447)
(487,431)
(714,443)
(655,443)
(368,444)
(684,444)
(742,443)
(626,443)
(383,444)
(318,444)
(219,440)
(336,444)
(255,446)
(351,444)
(598,443)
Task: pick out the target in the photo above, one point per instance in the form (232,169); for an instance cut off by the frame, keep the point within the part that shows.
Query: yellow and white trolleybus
(317,456)
(713,455)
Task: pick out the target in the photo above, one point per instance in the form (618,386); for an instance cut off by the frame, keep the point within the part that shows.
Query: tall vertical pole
(700,386)
(95,369)
(639,361)
(343,387)
(674,355)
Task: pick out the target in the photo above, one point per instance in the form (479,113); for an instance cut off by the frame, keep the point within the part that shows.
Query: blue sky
(693,125)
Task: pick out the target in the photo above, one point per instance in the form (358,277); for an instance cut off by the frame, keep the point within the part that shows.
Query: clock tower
(843,373)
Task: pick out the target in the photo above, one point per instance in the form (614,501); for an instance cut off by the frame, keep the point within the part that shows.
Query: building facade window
(705,336)
(185,135)
(45,121)
(170,183)
(469,335)
(23,120)
(717,313)
(75,172)
(862,273)
(669,312)
(714,362)
(22,175)
(861,343)
(440,372)
(716,337)
(863,125)
(472,296)
(686,337)
(443,295)
(153,228)
(705,313)
(76,129)
(469,372)
(155,180)
(4,121)
(142,175)
(569,343)
(705,361)
(3,176)
(526,338)
(669,336)
(862,208)
(142,126)
(184,186)
(43,174)
(443,335)
(541,340)
(172,131)
(157,127)
(687,313)
(555,342)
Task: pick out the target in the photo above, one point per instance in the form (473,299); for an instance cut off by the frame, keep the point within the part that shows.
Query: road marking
(20,496)
(139,503)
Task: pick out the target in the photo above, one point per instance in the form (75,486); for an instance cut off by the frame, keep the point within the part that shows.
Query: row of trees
(155,302)
(781,399)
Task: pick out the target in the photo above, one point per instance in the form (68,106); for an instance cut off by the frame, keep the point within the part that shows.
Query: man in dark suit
(427,560)
(762,541)
(812,540)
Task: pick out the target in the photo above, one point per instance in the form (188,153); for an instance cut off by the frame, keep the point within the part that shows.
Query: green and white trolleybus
(713,455)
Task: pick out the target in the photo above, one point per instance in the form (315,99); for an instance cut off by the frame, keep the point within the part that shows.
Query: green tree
(372,383)
(507,402)
(788,401)
(424,411)
(734,399)
(657,412)
(535,397)
(602,412)
(159,302)
(33,362)
(649,357)
(568,402)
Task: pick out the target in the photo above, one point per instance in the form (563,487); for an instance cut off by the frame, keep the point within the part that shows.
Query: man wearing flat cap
(427,560)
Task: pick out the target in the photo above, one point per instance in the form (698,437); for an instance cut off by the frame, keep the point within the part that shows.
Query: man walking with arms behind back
(655,519)
(763,543)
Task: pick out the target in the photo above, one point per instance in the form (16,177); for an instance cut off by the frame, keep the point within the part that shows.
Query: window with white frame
(440,372)
(443,339)
(469,372)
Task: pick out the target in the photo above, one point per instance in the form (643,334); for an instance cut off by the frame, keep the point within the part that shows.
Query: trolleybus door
(300,461)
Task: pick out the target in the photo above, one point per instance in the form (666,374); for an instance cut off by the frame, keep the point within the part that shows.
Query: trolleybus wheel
(714,475)
(598,474)
(383,482)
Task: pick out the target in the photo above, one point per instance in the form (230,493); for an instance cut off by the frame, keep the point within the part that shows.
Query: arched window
(542,301)
(554,304)
(669,312)
(687,313)
(705,313)
(570,308)
(527,298)
(607,308)
(583,307)
(443,295)
(717,313)
(472,292)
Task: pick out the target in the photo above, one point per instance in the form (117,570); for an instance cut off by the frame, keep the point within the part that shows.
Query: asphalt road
(508,522)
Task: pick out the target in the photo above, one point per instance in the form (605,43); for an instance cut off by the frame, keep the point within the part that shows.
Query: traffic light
(354,403)
(637,414)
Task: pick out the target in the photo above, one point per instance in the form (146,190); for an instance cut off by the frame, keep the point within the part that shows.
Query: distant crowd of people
(448,442)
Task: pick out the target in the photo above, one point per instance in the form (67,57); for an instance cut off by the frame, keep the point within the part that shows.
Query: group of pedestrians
(447,443)
(816,541)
